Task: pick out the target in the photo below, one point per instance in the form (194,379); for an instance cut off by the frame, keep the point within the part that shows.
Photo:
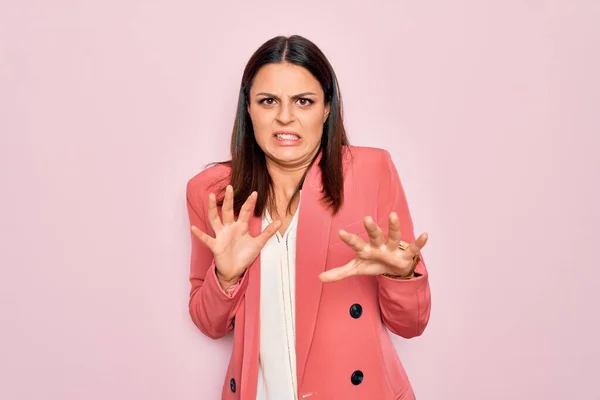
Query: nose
(285,114)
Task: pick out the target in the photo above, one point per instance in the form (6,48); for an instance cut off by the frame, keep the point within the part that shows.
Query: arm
(405,304)
(211,308)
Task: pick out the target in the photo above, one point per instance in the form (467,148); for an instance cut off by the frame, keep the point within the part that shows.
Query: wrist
(411,271)
(226,281)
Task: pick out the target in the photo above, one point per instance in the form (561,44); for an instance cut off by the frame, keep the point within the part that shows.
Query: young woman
(303,245)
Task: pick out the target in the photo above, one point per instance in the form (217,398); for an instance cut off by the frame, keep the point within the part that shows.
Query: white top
(277,355)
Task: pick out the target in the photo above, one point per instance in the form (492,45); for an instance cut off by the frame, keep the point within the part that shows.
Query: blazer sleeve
(405,304)
(211,308)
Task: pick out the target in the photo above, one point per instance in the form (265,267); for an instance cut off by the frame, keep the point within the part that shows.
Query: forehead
(284,78)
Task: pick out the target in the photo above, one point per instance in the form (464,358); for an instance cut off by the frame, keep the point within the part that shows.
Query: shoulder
(364,156)
(211,179)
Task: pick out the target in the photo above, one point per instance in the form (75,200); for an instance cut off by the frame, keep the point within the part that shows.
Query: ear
(326,113)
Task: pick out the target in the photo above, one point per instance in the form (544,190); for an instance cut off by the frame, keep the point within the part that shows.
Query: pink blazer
(344,350)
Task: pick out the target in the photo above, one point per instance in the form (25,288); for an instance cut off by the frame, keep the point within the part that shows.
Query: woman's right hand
(233,247)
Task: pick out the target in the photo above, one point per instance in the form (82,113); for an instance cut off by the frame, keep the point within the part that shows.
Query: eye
(303,101)
(269,101)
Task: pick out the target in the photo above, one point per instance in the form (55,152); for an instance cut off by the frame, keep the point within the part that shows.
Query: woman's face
(288,110)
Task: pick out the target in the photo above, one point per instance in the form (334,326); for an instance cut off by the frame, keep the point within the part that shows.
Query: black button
(355,311)
(232,384)
(357,377)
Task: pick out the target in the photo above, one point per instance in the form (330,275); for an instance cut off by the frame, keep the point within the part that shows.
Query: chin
(291,155)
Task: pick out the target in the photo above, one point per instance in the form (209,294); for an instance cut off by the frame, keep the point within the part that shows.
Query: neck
(285,179)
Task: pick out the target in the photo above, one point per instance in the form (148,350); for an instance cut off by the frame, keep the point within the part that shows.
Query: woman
(296,243)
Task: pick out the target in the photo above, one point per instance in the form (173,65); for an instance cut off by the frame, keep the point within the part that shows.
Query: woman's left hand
(378,256)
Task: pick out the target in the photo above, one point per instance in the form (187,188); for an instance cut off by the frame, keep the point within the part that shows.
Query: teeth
(287,136)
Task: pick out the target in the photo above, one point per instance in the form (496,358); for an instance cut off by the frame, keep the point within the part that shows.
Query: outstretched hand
(233,247)
(378,256)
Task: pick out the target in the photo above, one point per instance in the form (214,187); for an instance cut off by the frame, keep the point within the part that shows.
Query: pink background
(491,110)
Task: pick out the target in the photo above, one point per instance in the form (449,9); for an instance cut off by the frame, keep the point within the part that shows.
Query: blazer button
(232,384)
(357,377)
(355,311)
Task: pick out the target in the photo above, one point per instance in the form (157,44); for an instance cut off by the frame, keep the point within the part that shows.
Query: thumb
(339,273)
(268,233)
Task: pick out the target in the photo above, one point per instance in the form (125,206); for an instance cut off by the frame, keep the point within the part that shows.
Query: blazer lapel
(252,320)
(314,223)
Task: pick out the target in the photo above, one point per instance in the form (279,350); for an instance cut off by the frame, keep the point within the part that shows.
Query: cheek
(262,124)
(313,123)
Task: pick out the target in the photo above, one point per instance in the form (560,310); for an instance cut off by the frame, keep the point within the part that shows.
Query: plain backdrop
(490,109)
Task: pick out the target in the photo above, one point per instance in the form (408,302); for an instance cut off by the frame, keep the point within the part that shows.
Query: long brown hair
(248,164)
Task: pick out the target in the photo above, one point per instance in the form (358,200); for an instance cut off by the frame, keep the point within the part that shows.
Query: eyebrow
(294,97)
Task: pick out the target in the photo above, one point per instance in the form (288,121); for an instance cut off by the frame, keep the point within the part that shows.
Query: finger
(393,232)
(213,213)
(352,240)
(227,209)
(207,240)
(268,233)
(375,232)
(248,207)
(415,247)
(339,273)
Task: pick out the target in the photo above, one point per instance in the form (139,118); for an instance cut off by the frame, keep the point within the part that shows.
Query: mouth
(286,135)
